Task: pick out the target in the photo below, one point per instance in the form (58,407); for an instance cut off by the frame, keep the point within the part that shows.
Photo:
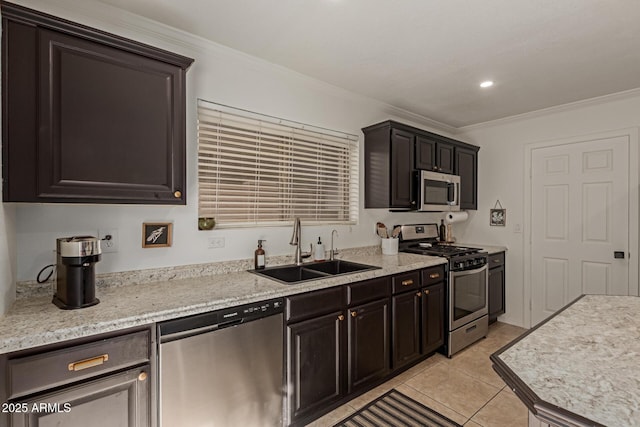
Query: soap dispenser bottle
(318,255)
(259,257)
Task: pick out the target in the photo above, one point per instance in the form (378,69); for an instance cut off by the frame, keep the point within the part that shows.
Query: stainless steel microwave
(438,192)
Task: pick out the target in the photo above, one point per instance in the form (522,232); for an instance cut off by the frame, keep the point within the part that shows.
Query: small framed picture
(156,234)
(498,217)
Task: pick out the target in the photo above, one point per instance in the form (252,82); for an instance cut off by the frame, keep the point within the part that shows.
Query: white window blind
(260,170)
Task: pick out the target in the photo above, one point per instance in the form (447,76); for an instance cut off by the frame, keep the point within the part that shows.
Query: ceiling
(429,56)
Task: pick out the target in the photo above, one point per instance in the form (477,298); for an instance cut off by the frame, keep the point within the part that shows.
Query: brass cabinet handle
(88,363)
(341,317)
(434,275)
(142,376)
(177,194)
(354,313)
(426,291)
(419,294)
(407,282)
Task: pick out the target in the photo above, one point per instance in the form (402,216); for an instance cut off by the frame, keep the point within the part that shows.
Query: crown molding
(589,102)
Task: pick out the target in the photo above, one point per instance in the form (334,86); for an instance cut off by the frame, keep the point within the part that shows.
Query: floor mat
(394,409)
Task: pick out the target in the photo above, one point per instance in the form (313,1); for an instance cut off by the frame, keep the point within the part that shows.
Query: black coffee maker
(76,277)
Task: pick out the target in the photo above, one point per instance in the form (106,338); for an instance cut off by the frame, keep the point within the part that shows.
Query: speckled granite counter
(489,249)
(34,321)
(581,367)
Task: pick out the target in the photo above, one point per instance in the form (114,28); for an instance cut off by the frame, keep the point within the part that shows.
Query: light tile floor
(464,388)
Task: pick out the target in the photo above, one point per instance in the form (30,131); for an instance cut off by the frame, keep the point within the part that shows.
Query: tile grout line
(486,403)
(436,400)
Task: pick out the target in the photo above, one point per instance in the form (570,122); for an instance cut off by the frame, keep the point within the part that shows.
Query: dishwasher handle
(186,334)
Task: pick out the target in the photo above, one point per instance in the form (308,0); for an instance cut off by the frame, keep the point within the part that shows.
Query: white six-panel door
(579,218)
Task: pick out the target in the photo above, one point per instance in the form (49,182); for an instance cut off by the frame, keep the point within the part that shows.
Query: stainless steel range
(467,287)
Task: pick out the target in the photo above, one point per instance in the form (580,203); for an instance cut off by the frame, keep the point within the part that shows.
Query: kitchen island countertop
(35,321)
(582,366)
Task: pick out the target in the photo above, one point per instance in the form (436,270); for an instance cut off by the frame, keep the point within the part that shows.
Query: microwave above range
(437,192)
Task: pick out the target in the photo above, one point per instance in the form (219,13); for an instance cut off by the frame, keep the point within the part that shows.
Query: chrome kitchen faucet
(295,241)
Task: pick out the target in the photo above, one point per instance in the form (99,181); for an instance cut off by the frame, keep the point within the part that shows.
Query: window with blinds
(259,170)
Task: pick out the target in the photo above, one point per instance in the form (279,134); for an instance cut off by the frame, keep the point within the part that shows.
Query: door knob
(618,254)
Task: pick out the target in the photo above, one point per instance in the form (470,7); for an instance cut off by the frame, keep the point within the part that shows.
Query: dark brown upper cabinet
(393,152)
(466,166)
(88,116)
(434,155)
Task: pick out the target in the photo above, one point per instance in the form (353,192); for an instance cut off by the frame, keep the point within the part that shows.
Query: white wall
(502,174)
(220,75)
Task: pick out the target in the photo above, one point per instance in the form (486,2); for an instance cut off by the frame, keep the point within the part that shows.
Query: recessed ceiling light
(487,83)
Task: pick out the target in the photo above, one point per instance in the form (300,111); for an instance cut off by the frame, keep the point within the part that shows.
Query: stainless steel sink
(291,274)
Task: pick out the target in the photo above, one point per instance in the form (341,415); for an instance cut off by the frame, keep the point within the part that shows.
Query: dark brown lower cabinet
(315,364)
(103,381)
(117,400)
(406,328)
(342,341)
(496,286)
(368,339)
(432,317)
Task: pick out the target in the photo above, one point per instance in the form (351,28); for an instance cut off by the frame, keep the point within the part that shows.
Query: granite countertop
(34,321)
(582,366)
(485,248)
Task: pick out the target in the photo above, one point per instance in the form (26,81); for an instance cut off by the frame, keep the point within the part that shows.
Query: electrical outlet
(517,228)
(216,242)
(108,240)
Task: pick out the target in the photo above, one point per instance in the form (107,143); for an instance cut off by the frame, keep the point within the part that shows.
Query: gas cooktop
(437,249)
(423,239)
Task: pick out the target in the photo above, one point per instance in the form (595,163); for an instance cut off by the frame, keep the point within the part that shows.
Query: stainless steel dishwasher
(223,368)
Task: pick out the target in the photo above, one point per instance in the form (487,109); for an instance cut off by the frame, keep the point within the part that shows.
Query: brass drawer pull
(354,314)
(88,363)
(426,291)
(177,194)
(407,282)
(142,376)
(419,294)
(341,317)
(434,275)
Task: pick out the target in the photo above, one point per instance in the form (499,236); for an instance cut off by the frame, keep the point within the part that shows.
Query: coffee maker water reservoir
(76,258)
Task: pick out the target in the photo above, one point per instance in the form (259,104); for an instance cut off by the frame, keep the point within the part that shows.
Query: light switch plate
(216,242)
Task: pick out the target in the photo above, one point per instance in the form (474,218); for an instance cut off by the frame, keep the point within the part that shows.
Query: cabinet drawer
(433,275)
(406,281)
(496,260)
(313,304)
(27,375)
(359,293)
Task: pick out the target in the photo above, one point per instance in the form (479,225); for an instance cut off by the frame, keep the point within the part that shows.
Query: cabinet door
(432,318)
(406,328)
(444,157)
(368,343)
(425,153)
(315,371)
(107,128)
(466,165)
(496,293)
(401,196)
(117,400)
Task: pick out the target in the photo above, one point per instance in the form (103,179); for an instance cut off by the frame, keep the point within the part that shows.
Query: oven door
(468,296)
(439,191)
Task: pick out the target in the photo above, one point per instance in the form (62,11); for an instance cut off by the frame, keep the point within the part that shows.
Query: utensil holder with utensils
(389,246)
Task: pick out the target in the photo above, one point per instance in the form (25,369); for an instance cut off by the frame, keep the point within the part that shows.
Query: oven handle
(468,272)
